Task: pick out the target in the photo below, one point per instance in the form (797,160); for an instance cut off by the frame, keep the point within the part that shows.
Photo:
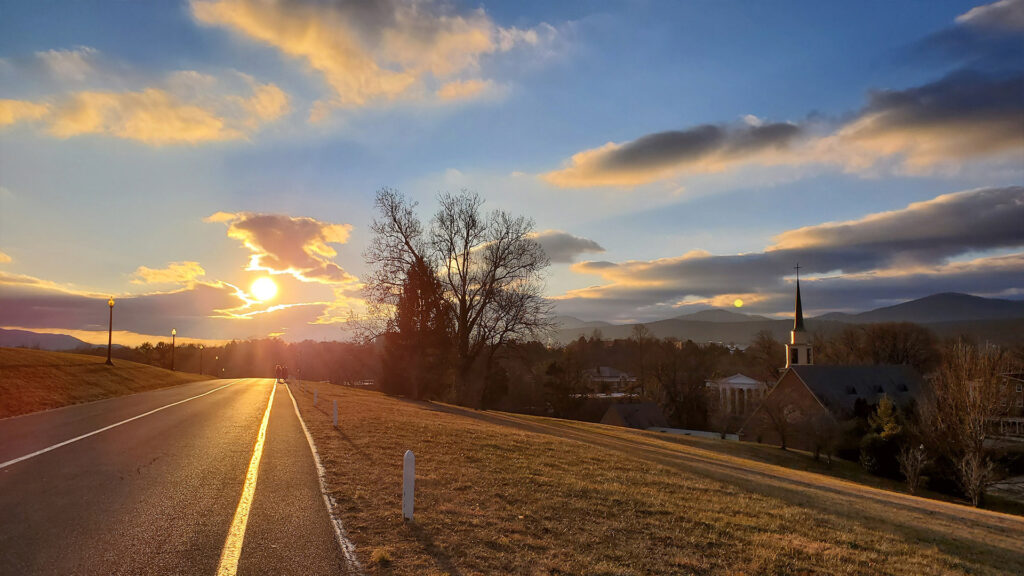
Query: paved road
(161,493)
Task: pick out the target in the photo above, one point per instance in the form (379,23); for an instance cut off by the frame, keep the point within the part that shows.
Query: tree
(766,353)
(913,459)
(416,353)
(489,271)
(967,392)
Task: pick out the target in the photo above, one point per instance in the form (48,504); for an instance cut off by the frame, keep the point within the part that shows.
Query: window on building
(794,356)
(809,356)
(1020,388)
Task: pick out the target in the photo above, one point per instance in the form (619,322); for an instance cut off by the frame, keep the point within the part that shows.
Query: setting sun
(738,303)
(263,289)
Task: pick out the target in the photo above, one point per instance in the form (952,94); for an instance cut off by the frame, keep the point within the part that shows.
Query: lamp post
(173,334)
(110,330)
(201,348)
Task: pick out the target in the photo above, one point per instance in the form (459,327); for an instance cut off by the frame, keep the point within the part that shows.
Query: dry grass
(504,494)
(33,380)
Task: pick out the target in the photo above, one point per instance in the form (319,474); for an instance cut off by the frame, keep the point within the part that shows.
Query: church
(810,401)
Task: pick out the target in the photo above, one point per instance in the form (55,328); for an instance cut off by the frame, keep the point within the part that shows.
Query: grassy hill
(33,380)
(512,494)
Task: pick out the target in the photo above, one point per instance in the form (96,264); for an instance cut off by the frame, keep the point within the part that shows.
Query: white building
(737,394)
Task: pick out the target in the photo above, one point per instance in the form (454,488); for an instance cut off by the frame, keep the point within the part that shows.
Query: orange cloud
(174,273)
(282,244)
(13,111)
(188,110)
(464,90)
(371,52)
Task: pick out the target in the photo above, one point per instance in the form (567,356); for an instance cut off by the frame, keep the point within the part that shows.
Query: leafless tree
(912,460)
(489,267)
(967,392)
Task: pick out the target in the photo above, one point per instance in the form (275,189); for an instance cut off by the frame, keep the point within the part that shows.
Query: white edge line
(348,550)
(105,428)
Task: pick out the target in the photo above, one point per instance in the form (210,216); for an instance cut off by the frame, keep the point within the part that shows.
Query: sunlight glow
(738,303)
(263,289)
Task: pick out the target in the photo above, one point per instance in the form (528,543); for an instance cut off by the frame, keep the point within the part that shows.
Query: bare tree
(489,269)
(967,392)
(913,459)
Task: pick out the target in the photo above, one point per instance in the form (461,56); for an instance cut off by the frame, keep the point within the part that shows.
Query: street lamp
(110,330)
(201,348)
(173,334)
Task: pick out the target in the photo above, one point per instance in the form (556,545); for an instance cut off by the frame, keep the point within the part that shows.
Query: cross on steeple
(797,268)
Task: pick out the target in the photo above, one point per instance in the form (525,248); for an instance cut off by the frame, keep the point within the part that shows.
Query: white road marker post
(408,484)
(335,413)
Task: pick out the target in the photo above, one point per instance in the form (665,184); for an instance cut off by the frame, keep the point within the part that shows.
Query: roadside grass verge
(33,380)
(496,494)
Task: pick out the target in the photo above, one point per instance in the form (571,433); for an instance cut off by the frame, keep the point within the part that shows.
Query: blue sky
(673,135)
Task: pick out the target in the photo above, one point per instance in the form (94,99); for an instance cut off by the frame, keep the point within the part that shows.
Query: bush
(878,455)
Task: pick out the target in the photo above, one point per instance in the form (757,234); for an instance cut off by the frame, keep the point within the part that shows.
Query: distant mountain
(571,323)
(27,339)
(719,315)
(1000,321)
(946,307)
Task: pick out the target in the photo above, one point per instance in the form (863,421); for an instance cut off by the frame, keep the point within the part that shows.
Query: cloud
(963,116)
(283,244)
(706,148)
(920,241)
(190,108)
(371,52)
(175,273)
(14,111)
(564,247)
(465,90)
(4,258)
(75,65)
(152,116)
(1002,15)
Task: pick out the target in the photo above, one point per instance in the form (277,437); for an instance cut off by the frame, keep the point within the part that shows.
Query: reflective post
(408,484)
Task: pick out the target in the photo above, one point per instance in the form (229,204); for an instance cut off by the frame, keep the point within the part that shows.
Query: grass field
(33,380)
(503,493)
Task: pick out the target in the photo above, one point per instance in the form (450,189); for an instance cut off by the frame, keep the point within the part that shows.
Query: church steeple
(798,320)
(798,351)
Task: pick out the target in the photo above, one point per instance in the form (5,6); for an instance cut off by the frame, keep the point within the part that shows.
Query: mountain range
(39,340)
(948,314)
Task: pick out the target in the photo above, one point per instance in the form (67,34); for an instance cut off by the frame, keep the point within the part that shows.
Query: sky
(674,156)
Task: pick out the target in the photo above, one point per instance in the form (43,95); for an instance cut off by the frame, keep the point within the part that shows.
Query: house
(642,415)
(608,379)
(737,394)
(810,402)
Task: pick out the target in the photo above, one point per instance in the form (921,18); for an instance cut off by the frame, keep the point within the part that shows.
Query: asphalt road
(159,494)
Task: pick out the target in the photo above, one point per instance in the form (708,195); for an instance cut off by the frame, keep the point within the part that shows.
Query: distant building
(737,394)
(642,415)
(608,379)
(810,400)
(808,396)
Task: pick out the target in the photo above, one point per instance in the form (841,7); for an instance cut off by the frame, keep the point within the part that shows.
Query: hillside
(33,380)
(38,340)
(500,493)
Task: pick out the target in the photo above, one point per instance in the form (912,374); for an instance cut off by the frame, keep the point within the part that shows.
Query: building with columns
(737,394)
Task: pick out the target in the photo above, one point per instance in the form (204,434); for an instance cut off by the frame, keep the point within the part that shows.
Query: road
(173,481)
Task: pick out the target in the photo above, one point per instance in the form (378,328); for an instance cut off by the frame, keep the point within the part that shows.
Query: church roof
(839,387)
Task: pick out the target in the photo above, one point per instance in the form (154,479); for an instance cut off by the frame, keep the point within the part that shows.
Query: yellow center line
(232,551)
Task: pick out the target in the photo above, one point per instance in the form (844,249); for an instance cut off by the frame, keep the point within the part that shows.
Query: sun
(263,289)
(738,303)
